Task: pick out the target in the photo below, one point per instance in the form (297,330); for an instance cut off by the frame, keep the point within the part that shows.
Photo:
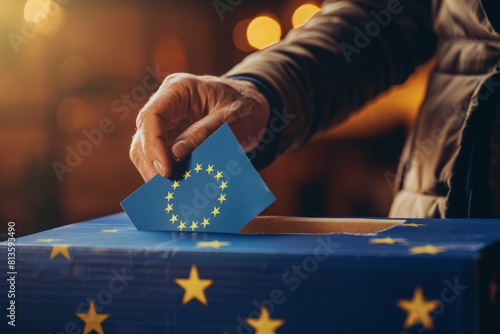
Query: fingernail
(182,149)
(159,167)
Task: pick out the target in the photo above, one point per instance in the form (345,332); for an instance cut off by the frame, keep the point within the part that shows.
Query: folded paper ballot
(216,190)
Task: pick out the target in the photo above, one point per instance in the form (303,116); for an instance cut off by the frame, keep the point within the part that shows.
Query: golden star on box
(493,289)
(92,319)
(212,244)
(49,240)
(386,241)
(60,249)
(110,231)
(264,324)
(427,249)
(418,309)
(194,287)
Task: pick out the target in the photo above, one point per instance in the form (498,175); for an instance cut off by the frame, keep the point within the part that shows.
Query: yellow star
(186,174)
(198,168)
(418,309)
(427,249)
(169,196)
(209,169)
(169,208)
(223,185)
(181,225)
(221,198)
(264,324)
(386,241)
(218,175)
(92,319)
(205,222)
(110,231)
(215,211)
(175,184)
(194,287)
(212,244)
(60,249)
(173,219)
(493,289)
(47,240)
(193,225)
(412,225)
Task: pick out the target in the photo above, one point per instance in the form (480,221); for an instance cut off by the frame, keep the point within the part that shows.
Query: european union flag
(216,190)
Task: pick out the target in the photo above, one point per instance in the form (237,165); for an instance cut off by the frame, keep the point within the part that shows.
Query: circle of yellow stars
(222,185)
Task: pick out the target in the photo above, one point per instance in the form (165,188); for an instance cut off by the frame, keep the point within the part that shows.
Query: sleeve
(344,56)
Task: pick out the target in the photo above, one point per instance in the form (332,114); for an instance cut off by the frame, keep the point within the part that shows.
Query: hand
(186,110)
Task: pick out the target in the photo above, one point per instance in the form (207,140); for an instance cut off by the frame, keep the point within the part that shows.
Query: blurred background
(74,74)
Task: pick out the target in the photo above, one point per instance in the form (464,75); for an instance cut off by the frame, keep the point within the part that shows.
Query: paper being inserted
(216,189)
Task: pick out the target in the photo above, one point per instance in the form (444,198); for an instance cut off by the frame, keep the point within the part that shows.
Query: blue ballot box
(347,276)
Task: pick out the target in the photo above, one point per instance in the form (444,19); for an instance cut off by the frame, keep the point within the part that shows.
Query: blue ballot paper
(216,190)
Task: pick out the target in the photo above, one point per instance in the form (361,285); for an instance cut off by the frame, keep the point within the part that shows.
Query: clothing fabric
(353,50)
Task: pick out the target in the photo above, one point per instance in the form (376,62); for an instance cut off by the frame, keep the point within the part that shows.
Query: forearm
(322,72)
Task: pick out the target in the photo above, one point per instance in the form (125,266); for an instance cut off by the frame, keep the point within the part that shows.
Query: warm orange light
(74,115)
(170,55)
(303,14)
(263,31)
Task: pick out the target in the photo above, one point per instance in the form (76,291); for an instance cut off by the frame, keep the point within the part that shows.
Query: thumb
(194,135)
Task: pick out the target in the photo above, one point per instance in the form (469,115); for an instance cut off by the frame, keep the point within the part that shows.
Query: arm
(328,68)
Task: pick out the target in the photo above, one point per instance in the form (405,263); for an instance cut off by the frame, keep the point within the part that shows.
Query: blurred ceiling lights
(263,31)
(303,14)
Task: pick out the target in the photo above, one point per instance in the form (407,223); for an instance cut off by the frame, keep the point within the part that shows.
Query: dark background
(70,74)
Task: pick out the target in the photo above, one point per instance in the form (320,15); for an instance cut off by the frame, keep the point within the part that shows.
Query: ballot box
(278,275)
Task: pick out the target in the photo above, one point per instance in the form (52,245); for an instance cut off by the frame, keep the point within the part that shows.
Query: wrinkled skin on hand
(186,110)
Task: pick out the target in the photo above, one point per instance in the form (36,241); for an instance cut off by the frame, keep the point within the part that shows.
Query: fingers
(149,149)
(146,169)
(195,134)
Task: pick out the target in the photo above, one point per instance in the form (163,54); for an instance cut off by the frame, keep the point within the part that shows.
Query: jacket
(351,51)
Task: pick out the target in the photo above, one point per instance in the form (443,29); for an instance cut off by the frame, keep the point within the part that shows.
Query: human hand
(186,110)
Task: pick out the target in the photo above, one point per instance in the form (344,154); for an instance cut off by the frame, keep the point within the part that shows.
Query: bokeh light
(303,14)
(36,11)
(45,14)
(263,31)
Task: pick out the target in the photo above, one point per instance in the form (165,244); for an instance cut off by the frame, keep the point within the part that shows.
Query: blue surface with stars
(303,283)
